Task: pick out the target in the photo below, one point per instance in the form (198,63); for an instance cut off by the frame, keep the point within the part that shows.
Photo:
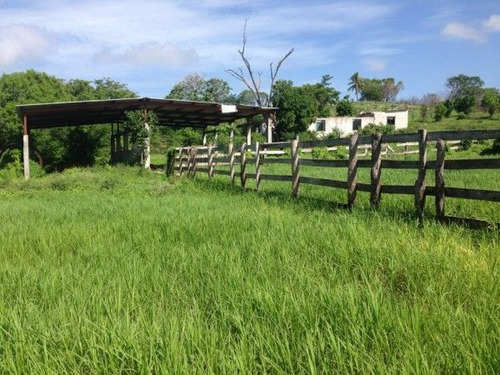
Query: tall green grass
(119,270)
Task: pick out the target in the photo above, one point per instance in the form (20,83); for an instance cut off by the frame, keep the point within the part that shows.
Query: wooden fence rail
(192,159)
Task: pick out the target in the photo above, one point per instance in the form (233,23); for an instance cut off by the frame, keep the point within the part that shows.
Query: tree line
(299,106)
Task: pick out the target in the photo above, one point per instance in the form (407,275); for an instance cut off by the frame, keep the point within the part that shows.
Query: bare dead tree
(253,83)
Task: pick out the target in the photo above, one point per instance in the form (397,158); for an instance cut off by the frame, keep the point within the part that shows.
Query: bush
(439,111)
(340,153)
(464,104)
(372,128)
(320,153)
(336,133)
(465,145)
(495,148)
(345,108)
(461,116)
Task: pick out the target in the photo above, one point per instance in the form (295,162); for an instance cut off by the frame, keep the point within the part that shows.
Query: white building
(347,125)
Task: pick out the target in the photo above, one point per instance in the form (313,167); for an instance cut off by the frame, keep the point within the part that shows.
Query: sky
(152,44)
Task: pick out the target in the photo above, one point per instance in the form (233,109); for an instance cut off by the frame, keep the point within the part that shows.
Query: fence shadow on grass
(303,203)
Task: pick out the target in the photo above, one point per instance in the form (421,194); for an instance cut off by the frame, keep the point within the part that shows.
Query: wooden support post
(26,148)
(231,163)
(257,166)
(112,144)
(420,183)
(243,172)
(210,160)
(125,141)
(440,180)
(295,167)
(375,172)
(118,144)
(352,170)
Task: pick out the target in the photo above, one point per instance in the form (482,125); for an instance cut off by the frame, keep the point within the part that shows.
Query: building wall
(345,124)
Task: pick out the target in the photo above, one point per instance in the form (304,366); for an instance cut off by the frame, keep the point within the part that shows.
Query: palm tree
(355,84)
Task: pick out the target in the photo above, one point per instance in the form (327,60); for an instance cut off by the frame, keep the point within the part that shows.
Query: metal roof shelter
(175,113)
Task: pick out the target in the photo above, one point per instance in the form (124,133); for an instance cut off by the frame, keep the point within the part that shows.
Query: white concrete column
(269,129)
(26,149)
(249,133)
(204,138)
(147,149)
(26,157)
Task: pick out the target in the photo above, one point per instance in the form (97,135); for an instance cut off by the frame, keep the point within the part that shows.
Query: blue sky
(152,44)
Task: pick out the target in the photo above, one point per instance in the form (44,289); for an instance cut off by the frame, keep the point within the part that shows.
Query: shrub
(464,104)
(465,145)
(345,108)
(461,116)
(439,111)
(320,153)
(372,128)
(336,133)
(340,153)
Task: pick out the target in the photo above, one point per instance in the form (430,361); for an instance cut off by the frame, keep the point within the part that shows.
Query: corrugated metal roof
(177,113)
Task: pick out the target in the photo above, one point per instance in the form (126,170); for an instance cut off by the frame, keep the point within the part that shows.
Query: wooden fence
(190,160)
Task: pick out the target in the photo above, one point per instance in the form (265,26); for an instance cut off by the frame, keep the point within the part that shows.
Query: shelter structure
(174,113)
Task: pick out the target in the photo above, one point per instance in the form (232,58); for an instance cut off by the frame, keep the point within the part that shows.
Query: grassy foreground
(119,270)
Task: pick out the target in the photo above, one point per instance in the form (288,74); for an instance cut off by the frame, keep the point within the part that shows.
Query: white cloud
(21,43)
(166,54)
(375,64)
(493,23)
(460,31)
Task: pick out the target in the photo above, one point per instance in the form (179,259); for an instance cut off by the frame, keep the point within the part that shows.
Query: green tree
(247,97)
(355,84)
(25,88)
(463,85)
(298,108)
(464,104)
(385,89)
(449,107)
(491,100)
(345,107)
(80,89)
(195,87)
(324,95)
(107,88)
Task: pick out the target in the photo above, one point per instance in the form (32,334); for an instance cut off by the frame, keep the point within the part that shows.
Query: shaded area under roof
(176,113)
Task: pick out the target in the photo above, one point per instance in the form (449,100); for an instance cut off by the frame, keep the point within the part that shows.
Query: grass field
(117,270)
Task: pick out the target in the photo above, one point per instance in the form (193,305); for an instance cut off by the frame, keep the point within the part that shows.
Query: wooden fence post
(352,170)
(420,183)
(189,154)
(257,165)
(231,163)
(375,172)
(439,189)
(181,160)
(295,167)
(192,162)
(243,172)
(169,166)
(210,160)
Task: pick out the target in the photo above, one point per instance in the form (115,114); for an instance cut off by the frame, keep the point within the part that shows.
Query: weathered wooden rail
(191,160)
